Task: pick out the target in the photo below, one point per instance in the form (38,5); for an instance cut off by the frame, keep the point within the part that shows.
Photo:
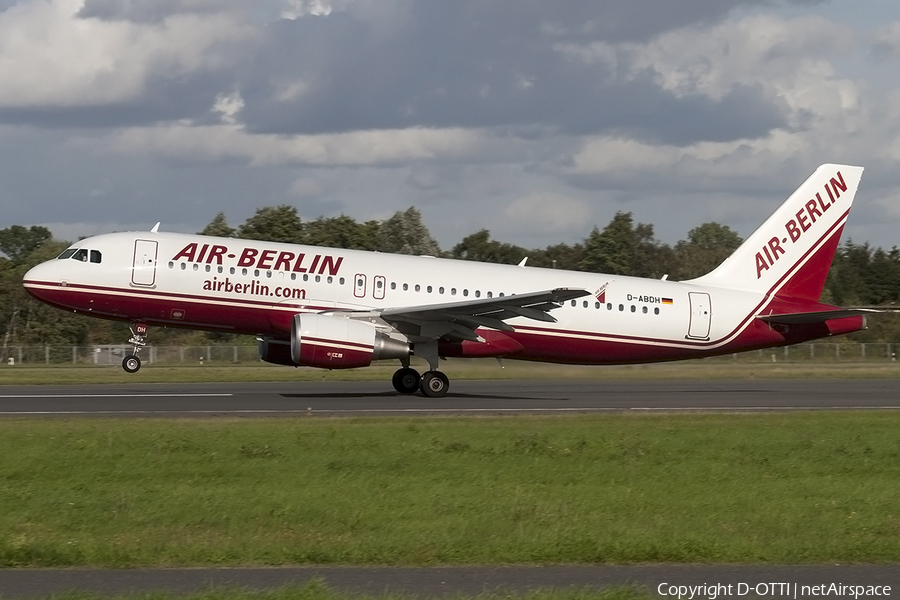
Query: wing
(459,320)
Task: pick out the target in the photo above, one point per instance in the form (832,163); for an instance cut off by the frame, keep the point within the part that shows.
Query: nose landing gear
(132,363)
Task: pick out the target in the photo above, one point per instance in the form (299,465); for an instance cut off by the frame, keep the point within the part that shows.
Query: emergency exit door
(143,271)
(701,315)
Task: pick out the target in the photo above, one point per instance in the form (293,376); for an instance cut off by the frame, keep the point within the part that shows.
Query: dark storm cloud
(478,65)
(417,63)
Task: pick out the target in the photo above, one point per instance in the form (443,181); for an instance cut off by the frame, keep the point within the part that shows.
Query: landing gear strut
(132,363)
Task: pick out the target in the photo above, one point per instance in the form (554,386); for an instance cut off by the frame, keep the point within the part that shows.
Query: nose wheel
(132,363)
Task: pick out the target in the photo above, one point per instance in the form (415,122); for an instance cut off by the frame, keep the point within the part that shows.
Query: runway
(497,397)
(436,582)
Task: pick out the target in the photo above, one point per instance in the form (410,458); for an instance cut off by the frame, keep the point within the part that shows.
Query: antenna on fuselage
(155,228)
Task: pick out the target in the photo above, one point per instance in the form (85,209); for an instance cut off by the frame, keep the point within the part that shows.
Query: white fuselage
(256,287)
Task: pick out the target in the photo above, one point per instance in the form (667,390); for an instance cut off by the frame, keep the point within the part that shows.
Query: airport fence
(224,354)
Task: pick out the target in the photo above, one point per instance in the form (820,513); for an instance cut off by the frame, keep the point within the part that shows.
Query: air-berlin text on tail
(275,260)
(802,221)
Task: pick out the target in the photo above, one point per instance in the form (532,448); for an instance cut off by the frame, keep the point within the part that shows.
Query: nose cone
(41,280)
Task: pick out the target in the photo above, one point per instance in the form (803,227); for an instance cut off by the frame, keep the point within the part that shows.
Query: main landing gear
(433,384)
(132,363)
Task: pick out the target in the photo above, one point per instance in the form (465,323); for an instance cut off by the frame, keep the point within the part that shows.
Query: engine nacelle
(340,343)
(277,352)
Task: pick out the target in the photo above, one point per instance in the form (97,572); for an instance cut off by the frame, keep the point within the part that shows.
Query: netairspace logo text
(787,590)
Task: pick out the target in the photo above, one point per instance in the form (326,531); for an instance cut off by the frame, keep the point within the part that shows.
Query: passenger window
(429,288)
(478,293)
(441,290)
(405,287)
(171,265)
(95,256)
(656,311)
(452,291)
(621,307)
(644,310)
(208,268)
(573,303)
(418,287)
(585,304)
(465,292)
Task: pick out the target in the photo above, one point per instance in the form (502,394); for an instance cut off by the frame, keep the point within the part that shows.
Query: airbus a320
(339,309)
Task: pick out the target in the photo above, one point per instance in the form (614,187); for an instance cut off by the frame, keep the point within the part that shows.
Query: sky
(536,120)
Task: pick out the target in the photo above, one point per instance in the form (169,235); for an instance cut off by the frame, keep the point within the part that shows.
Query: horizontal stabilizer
(821,316)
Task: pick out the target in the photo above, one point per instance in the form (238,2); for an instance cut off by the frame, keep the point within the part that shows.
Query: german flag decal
(667,301)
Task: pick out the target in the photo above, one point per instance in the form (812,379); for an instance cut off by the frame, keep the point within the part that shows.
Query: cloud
(230,143)
(53,59)
(547,213)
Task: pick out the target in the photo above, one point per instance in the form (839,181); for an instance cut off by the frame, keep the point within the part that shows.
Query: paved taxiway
(465,397)
(445,581)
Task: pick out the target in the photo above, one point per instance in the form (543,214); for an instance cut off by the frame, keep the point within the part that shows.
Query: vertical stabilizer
(790,254)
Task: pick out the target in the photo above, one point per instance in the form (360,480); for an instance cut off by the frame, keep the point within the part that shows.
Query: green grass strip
(754,488)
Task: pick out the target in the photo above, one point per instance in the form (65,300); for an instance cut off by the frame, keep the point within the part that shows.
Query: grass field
(720,368)
(761,488)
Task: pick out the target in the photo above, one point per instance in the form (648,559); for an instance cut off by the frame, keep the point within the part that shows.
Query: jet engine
(274,351)
(339,343)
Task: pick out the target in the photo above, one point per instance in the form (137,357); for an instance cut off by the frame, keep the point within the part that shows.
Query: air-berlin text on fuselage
(802,222)
(275,260)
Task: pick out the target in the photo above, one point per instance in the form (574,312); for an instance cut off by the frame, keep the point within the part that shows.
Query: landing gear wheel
(435,384)
(131,363)
(406,380)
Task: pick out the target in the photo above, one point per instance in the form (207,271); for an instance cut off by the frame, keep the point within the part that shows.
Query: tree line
(860,274)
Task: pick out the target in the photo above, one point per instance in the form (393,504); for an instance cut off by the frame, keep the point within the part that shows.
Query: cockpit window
(81,254)
(67,254)
(95,256)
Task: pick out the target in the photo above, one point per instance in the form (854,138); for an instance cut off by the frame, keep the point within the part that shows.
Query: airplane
(336,309)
